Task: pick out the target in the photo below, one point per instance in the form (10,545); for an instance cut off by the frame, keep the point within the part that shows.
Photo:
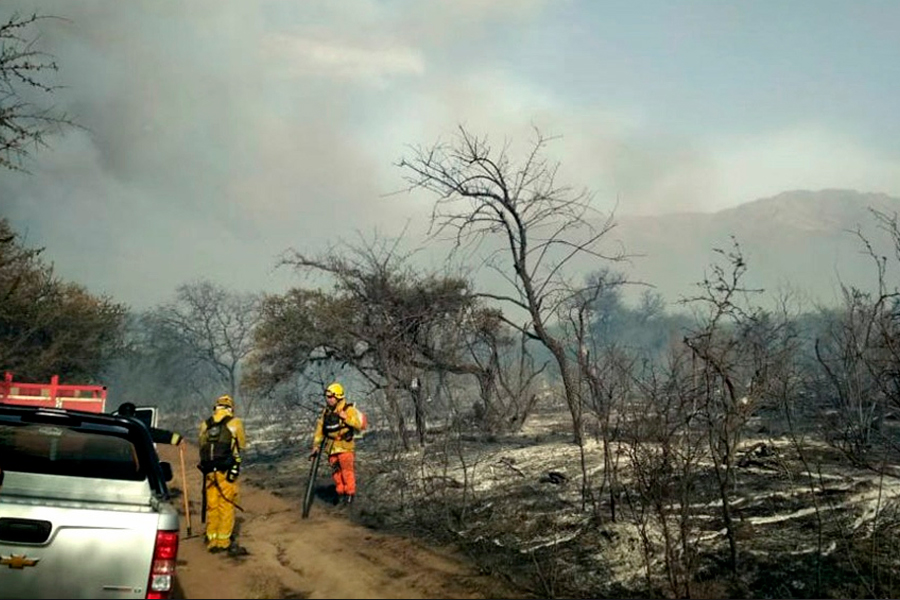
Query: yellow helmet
(336,390)
(226,401)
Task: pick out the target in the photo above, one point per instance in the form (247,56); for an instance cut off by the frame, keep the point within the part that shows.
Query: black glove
(313,454)
(233,473)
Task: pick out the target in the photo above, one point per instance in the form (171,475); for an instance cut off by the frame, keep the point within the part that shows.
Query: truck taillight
(162,569)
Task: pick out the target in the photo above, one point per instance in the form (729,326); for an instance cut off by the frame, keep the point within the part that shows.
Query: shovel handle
(184,489)
(311,481)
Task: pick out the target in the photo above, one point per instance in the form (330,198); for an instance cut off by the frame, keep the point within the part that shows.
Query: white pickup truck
(84,507)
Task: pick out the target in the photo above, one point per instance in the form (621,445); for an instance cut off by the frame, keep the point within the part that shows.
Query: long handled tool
(311,482)
(203,499)
(184,489)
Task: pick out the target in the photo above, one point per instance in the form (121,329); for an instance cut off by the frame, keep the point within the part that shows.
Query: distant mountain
(798,240)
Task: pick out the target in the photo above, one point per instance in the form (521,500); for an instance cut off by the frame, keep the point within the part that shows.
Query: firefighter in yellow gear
(222,442)
(336,426)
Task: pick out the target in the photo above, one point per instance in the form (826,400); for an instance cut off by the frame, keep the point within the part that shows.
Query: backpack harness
(336,429)
(216,454)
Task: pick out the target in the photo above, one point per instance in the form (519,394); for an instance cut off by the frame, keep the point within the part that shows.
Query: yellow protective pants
(221,496)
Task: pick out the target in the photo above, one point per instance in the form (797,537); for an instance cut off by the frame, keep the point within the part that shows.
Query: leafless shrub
(663,455)
(730,348)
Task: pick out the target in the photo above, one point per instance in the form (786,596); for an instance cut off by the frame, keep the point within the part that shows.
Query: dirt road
(324,556)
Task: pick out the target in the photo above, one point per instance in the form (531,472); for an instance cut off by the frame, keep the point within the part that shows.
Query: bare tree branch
(24,126)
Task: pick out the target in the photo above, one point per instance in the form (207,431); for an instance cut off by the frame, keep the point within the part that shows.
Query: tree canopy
(49,326)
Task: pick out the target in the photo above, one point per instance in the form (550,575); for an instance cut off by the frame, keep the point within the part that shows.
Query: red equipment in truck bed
(90,398)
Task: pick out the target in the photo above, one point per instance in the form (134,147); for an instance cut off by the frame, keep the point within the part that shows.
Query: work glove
(313,454)
(233,473)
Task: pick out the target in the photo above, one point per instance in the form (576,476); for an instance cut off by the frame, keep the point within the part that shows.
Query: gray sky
(221,133)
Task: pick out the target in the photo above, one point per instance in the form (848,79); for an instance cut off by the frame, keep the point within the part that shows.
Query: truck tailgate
(102,553)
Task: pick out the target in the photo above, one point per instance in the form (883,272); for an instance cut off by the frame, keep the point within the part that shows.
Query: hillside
(798,240)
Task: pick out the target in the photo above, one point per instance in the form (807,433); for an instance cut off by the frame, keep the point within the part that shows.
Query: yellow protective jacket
(238,437)
(341,439)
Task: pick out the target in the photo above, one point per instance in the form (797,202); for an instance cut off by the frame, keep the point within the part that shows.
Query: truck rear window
(56,450)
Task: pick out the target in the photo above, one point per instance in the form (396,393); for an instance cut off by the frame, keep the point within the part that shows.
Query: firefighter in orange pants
(222,441)
(336,426)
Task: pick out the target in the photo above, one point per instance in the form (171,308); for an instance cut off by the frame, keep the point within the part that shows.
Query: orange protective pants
(342,473)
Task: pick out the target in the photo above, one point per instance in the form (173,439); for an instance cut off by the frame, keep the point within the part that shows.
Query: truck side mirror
(167,470)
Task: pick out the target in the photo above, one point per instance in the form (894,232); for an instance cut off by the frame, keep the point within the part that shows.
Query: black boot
(348,499)
(235,550)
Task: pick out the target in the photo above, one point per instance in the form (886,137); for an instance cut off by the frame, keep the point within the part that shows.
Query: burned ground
(512,507)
